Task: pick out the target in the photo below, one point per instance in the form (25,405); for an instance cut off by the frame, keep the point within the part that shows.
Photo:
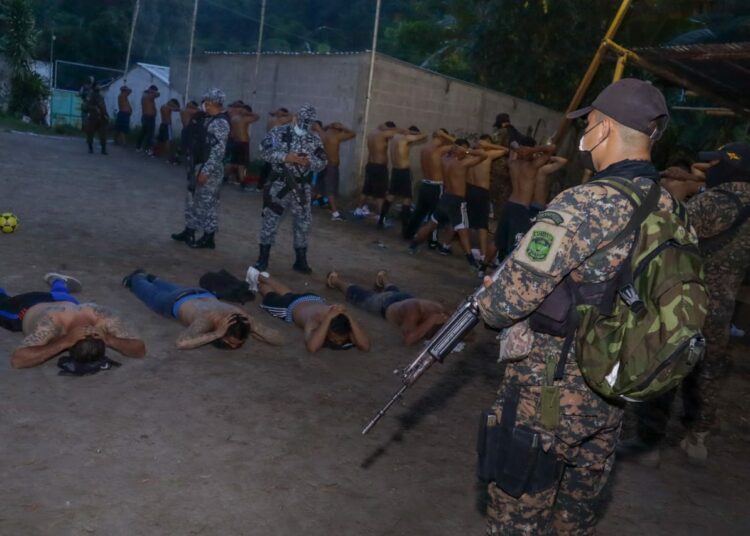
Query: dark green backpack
(650,338)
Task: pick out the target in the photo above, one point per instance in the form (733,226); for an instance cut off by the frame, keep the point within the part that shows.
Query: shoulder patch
(539,245)
(551,216)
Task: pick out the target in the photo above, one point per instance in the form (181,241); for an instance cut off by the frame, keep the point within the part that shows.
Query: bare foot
(380,280)
(331,279)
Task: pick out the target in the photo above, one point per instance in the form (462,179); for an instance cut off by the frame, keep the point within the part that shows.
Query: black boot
(104,148)
(91,148)
(300,265)
(204,242)
(187,235)
(262,263)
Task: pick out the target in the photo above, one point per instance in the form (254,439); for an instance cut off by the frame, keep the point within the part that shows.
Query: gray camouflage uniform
(202,206)
(277,197)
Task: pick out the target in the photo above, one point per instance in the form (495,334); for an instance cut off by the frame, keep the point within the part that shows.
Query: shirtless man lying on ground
(208,320)
(418,319)
(54,321)
(328,326)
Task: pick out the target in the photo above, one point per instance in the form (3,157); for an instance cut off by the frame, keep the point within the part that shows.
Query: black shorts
(163,136)
(515,222)
(328,181)
(376,181)
(282,306)
(451,210)
(400,183)
(122,122)
(14,308)
(478,206)
(239,155)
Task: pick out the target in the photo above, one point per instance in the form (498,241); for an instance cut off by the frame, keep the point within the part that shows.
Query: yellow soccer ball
(8,222)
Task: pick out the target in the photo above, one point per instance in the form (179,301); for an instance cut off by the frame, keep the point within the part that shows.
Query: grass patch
(9,122)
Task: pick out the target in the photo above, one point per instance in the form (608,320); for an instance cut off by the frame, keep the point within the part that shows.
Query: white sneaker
(365,211)
(337,216)
(357,213)
(252,278)
(71,282)
(734,331)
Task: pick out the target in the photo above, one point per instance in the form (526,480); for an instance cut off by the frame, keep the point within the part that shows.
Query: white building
(140,77)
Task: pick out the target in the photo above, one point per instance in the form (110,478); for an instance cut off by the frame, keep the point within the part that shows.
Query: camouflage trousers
(95,128)
(202,206)
(274,208)
(705,378)
(584,440)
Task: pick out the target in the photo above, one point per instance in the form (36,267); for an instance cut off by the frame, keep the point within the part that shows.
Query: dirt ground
(265,441)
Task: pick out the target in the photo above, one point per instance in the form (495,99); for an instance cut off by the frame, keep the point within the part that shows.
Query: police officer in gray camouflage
(295,153)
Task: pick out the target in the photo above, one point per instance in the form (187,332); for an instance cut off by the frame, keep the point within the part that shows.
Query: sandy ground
(264,441)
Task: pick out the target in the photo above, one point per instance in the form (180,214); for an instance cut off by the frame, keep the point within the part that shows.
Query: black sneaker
(128,279)
(433,244)
(443,250)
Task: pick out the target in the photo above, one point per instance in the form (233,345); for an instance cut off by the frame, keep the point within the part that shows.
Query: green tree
(18,36)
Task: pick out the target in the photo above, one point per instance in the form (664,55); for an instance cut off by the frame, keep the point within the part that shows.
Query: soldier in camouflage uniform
(575,429)
(294,152)
(720,217)
(202,203)
(97,119)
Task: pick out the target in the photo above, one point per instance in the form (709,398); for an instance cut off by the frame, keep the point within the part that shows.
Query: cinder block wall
(337,86)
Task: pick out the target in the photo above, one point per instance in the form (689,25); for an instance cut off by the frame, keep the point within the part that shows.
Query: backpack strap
(643,205)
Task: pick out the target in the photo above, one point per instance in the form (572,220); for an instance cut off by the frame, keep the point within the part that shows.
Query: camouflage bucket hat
(306,115)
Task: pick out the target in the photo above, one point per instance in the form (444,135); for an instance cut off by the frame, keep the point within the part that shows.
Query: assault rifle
(442,344)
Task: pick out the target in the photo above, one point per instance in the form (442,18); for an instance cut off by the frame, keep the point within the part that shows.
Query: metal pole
(366,118)
(591,71)
(51,73)
(190,53)
(130,41)
(260,45)
(620,67)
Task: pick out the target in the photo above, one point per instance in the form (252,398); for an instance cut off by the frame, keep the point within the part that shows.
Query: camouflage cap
(215,95)
(307,114)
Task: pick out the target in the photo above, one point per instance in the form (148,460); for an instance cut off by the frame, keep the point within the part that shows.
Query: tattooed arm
(116,335)
(45,342)
(201,332)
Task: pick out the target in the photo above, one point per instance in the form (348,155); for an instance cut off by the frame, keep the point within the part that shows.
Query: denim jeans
(160,296)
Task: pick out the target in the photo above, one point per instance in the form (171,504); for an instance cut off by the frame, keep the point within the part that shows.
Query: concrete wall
(337,86)
(328,82)
(408,96)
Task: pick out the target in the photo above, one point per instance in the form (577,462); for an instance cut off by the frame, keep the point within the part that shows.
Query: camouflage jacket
(95,107)
(577,223)
(283,140)
(218,134)
(713,213)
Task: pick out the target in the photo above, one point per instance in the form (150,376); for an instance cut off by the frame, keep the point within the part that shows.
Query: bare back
(377,147)
(454,174)
(123,103)
(332,144)
(412,311)
(166,114)
(239,127)
(186,115)
(148,104)
(400,151)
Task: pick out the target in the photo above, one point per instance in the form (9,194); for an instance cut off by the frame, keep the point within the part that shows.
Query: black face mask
(586,155)
(724,172)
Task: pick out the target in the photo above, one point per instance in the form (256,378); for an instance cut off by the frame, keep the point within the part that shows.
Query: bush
(27,89)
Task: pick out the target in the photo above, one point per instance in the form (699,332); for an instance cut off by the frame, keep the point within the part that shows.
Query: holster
(512,456)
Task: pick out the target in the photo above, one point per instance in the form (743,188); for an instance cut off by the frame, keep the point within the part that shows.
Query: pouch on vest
(512,456)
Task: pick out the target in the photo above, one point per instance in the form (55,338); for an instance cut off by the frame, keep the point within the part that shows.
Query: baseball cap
(736,154)
(501,118)
(633,103)
(215,95)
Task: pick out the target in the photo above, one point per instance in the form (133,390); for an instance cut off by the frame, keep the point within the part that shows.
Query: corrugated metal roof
(282,53)
(159,71)
(721,69)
